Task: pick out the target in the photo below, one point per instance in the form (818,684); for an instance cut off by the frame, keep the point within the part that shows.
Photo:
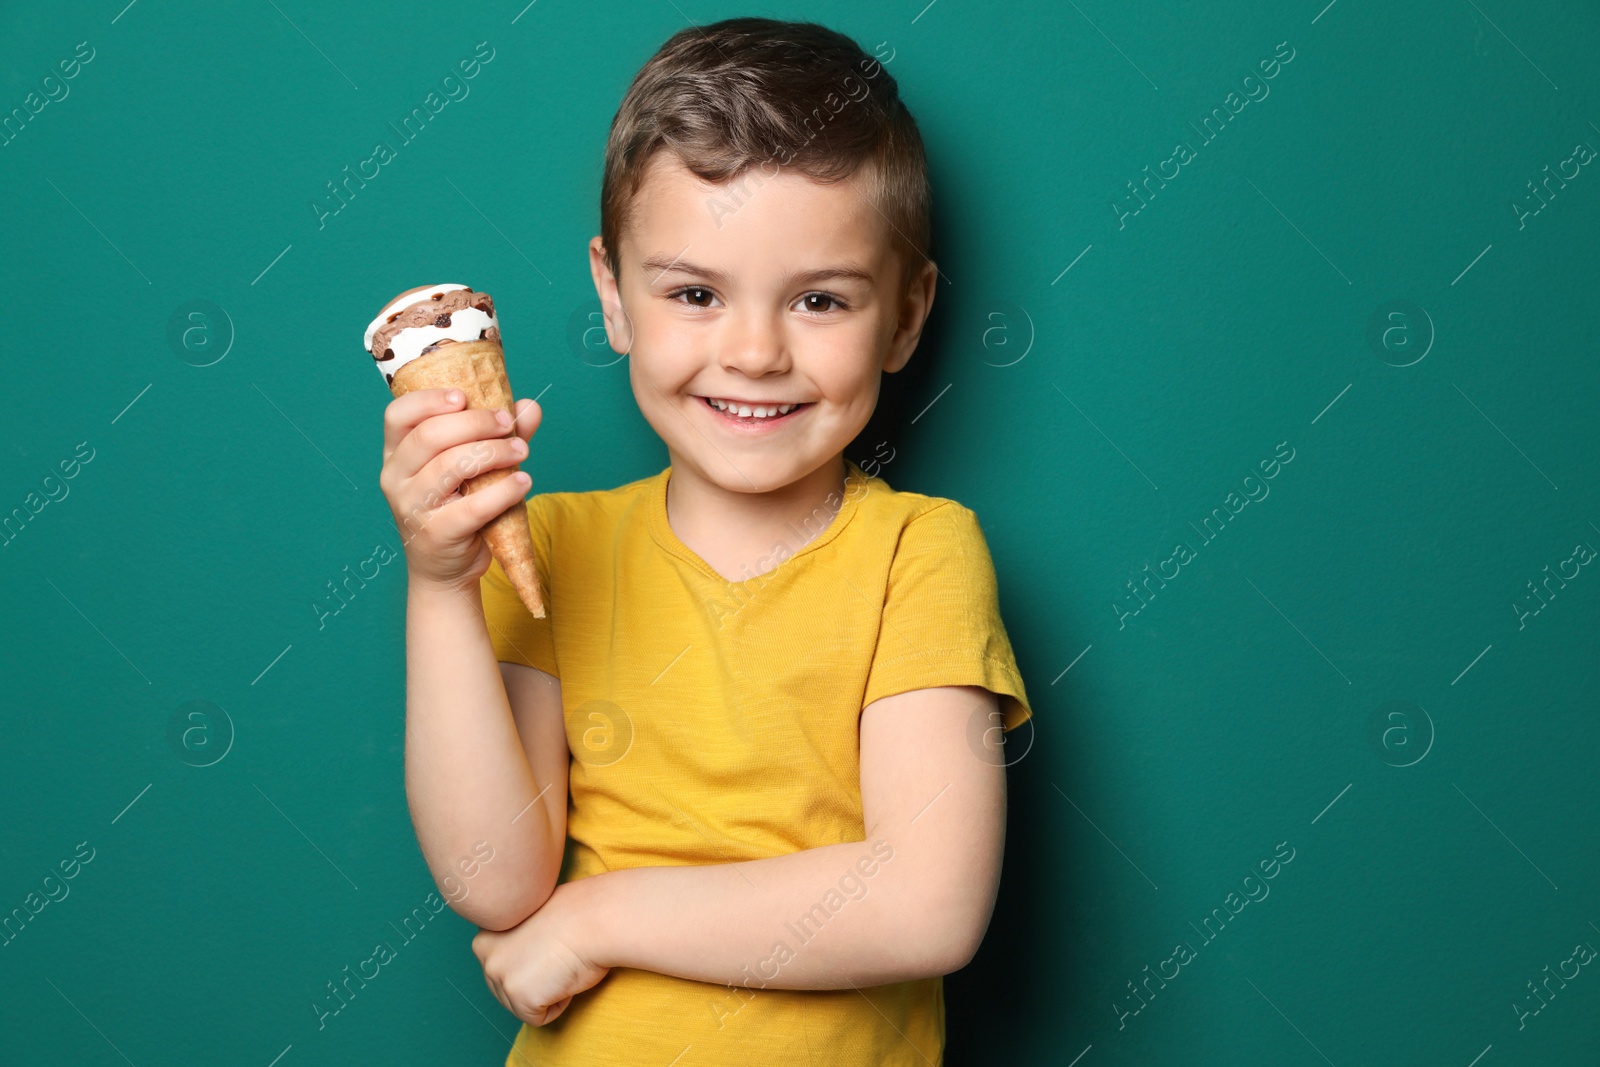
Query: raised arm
(485,750)
(485,763)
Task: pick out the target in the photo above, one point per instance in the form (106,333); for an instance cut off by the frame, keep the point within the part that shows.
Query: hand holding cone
(448,338)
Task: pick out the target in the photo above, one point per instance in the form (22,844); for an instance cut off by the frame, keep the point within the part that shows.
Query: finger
(494,987)
(460,517)
(539,1015)
(440,431)
(500,994)
(404,412)
(528,416)
(444,474)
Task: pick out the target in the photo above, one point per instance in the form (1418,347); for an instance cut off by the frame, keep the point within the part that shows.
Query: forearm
(468,780)
(815,919)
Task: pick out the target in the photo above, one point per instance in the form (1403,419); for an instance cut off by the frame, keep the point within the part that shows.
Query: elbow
(489,914)
(952,945)
(486,915)
(497,921)
(479,914)
(954,917)
(501,898)
(501,910)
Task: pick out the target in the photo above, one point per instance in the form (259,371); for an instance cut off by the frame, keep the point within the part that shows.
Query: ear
(619,328)
(914,308)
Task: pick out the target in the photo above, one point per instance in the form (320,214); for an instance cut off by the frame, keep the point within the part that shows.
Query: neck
(736,531)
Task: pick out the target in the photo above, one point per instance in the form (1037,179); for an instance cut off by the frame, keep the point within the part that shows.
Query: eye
(696,291)
(808,303)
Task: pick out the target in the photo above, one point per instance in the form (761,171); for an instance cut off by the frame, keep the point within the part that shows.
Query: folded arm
(911,901)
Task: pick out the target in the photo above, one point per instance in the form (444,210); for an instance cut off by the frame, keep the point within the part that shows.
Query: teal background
(1088,415)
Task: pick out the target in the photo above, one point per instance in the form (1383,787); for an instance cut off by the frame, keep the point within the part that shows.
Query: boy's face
(722,298)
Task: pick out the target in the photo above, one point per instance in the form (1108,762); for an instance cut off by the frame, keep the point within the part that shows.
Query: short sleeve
(941,615)
(517,636)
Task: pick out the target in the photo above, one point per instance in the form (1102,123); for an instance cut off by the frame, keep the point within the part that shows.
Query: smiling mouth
(753,414)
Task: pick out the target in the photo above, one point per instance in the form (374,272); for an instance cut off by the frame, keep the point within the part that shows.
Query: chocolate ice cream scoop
(421,319)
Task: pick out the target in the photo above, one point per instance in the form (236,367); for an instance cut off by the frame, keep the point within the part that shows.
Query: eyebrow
(660,264)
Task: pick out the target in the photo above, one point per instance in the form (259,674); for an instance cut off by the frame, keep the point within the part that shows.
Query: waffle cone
(478,369)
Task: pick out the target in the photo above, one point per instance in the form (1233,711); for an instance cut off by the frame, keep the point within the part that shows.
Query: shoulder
(926,546)
(918,520)
(590,508)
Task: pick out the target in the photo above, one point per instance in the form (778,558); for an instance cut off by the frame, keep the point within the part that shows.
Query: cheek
(665,355)
(845,366)
(658,382)
(647,396)
(654,331)
(660,346)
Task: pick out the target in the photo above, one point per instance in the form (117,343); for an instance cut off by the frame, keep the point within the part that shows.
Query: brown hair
(758,93)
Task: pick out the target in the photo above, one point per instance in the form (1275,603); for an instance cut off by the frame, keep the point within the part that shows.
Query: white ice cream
(467,324)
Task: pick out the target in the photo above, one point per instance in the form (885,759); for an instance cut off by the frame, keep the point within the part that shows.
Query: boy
(743,782)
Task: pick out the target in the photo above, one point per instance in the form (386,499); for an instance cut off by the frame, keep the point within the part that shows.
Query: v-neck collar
(661,529)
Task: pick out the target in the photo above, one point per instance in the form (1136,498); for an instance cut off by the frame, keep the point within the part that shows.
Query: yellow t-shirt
(712,722)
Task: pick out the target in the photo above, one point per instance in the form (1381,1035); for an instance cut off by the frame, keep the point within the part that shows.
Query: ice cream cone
(452,341)
(478,369)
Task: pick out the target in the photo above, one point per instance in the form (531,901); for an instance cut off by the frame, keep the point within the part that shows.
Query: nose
(754,345)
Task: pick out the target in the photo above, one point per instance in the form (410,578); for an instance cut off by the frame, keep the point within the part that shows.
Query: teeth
(746,411)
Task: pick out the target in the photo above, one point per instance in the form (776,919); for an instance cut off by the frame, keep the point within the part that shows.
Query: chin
(765,476)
